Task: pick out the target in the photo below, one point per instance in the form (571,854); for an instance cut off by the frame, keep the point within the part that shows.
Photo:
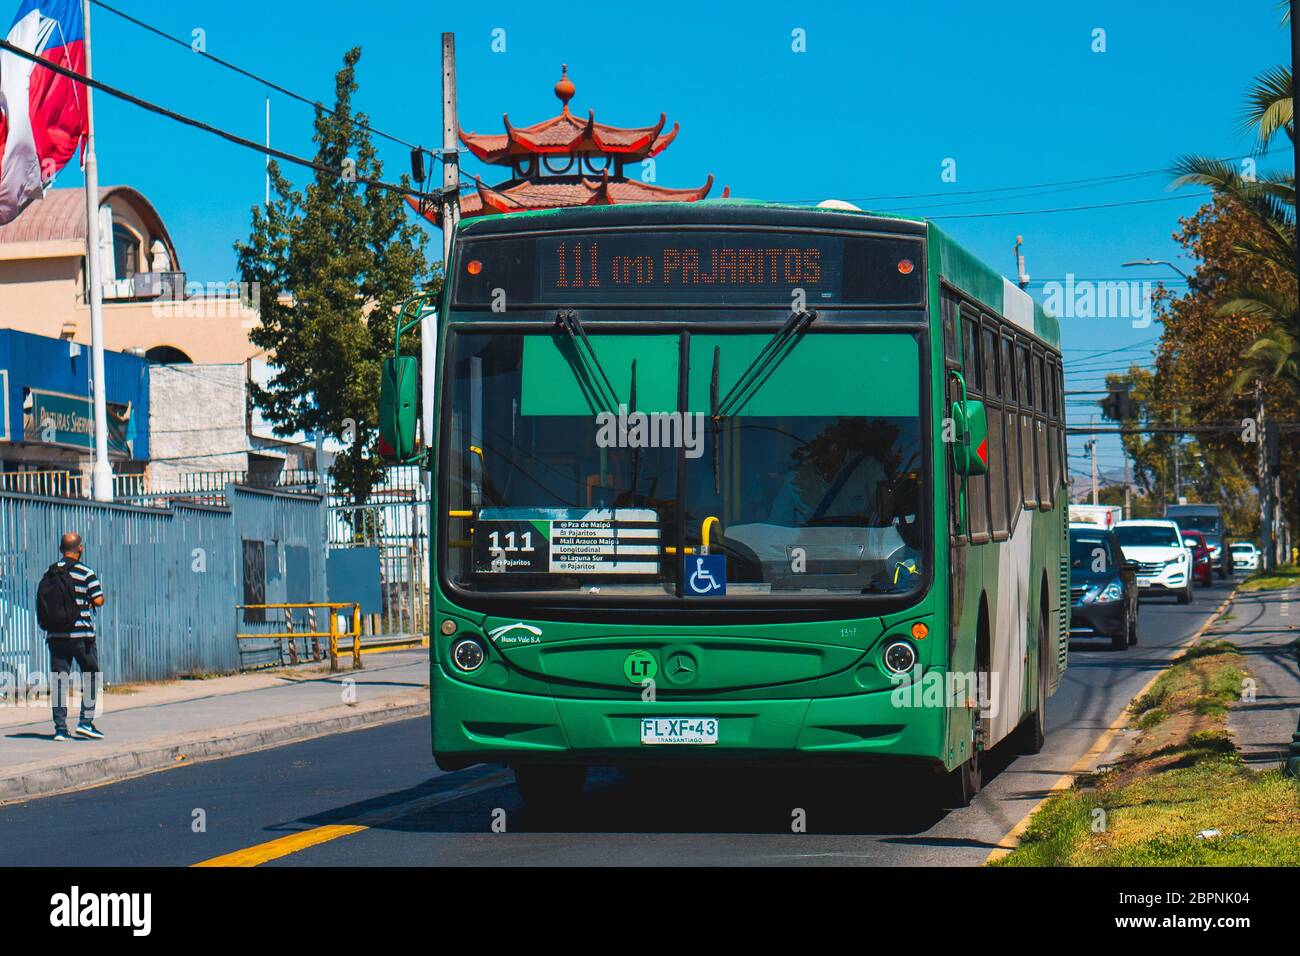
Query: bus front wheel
(957,788)
(549,788)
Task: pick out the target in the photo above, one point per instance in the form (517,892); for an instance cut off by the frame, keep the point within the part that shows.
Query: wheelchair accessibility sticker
(705,574)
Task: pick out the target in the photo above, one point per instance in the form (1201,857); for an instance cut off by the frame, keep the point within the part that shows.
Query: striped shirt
(85,584)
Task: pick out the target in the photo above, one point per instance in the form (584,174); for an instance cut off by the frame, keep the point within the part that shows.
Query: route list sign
(566,541)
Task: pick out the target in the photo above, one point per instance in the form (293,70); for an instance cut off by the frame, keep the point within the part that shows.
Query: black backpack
(57,611)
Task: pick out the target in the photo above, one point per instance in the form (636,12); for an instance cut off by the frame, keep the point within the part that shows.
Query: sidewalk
(1266,625)
(162,725)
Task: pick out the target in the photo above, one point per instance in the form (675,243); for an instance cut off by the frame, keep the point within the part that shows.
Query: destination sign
(732,267)
(690,267)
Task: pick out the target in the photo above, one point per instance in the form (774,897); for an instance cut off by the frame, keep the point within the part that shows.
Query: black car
(1103,587)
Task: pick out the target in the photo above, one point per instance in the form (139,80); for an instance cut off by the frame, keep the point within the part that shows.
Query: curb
(1102,745)
(229,742)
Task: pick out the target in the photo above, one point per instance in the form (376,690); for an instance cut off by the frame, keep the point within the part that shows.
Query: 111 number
(526,538)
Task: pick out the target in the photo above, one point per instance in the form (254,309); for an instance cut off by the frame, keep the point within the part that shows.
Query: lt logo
(640,666)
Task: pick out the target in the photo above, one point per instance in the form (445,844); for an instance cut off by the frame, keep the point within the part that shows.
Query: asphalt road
(313,796)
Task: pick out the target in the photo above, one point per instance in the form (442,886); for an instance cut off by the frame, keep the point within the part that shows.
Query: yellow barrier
(333,632)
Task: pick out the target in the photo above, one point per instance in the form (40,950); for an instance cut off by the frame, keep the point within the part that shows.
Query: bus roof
(723,211)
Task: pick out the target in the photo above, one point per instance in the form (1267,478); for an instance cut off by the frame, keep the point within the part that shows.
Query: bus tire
(958,787)
(1032,732)
(548,788)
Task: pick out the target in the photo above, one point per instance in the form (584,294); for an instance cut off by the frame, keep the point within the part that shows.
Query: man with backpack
(65,599)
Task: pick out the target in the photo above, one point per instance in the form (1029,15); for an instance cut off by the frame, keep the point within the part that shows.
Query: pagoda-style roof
(570,135)
(553,192)
(565,161)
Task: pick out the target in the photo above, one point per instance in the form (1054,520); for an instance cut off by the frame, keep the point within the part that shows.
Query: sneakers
(60,734)
(87,729)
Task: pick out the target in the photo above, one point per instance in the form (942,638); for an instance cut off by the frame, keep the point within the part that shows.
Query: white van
(1103,516)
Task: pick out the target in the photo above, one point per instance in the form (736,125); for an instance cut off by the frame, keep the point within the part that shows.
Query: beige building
(149,307)
(200,422)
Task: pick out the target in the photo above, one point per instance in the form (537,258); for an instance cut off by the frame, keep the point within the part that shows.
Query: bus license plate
(679,730)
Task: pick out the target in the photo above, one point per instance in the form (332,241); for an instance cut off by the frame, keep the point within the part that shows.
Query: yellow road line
(305,839)
(273,850)
(1099,746)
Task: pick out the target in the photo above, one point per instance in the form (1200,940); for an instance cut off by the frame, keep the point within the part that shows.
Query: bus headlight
(900,657)
(467,654)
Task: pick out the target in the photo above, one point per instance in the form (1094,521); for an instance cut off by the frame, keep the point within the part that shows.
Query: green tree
(332,263)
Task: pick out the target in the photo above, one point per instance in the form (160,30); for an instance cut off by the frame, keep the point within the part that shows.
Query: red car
(1202,564)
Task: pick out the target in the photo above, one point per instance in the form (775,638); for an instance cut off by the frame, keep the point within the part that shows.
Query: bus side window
(1054,427)
(1026,426)
(951,327)
(1011,399)
(1041,437)
(993,401)
(971,362)
(1060,404)
(977,501)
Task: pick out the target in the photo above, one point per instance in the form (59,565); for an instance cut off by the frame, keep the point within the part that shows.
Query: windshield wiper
(631,407)
(567,319)
(793,326)
(713,417)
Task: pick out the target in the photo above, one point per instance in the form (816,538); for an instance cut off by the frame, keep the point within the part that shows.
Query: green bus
(735,481)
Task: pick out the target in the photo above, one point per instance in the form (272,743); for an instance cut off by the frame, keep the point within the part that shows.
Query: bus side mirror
(398,407)
(970,447)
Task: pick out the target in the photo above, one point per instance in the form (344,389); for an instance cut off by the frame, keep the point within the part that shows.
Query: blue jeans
(63,651)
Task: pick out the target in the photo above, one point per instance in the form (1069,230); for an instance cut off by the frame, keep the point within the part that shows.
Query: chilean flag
(42,114)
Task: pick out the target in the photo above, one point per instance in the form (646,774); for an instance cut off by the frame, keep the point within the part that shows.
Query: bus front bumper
(474,724)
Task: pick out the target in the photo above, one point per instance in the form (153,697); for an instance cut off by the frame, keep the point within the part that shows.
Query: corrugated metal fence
(171,576)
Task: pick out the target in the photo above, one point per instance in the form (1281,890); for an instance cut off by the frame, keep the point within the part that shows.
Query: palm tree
(1268,106)
(1270,201)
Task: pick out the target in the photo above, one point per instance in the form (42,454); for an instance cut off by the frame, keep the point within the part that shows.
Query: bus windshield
(571,468)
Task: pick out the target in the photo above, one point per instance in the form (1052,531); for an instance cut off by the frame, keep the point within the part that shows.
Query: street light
(1158,262)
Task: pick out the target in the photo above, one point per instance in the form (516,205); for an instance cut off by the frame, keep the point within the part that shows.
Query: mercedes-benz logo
(681,668)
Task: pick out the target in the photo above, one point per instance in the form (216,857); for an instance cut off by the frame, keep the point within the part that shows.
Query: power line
(1114,177)
(1041,212)
(207,127)
(269,84)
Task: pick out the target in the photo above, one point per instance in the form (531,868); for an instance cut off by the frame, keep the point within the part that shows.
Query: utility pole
(450,203)
(1265,481)
(1178,455)
(1092,447)
(1293,759)
(102,475)
(450,154)
(1128,491)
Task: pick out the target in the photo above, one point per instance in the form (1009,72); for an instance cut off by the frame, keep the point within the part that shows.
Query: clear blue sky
(884,94)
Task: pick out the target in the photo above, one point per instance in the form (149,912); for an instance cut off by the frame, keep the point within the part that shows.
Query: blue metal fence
(171,576)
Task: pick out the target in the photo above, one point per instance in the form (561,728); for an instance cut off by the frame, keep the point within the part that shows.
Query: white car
(1245,556)
(1164,562)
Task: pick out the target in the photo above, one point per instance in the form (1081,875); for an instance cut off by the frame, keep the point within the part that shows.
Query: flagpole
(102,476)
